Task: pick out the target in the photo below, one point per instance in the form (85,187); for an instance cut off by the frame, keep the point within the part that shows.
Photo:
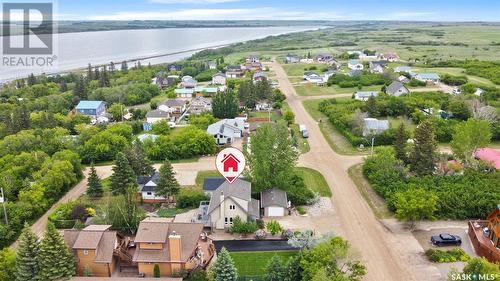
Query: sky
(407,10)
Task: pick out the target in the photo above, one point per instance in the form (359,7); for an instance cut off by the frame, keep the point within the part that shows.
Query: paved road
(356,220)
(185,174)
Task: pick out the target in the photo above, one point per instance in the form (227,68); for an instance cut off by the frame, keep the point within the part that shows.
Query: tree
(156,271)
(104,78)
(371,107)
(293,271)
(8,265)
(478,266)
(124,66)
(55,259)
(80,91)
(272,158)
(90,73)
(289,117)
(423,156)
(459,109)
(470,136)
(275,270)
(94,183)
(225,105)
(332,256)
(198,274)
(167,185)
(27,255)
(117,110)
(400,139)
(139,161)
(123,176)
(415,204)
(31,80)
(274,227)
(224,269)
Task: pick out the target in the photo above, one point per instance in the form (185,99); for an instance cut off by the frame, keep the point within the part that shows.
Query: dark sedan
(446,239)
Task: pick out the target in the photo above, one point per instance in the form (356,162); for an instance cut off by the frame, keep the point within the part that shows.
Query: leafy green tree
(275,270)
(415,204)
(459,110)
(8,265)
(289,117)
(138,160)
(477,266)
(470,136)
(55,259)
(80,91)
(161,127)
(198,275)
(400,139)
(225,105)
(94,183)
(90,73)
(117,110)
(123,176)
(31,80)
(293,271)
(224,268)
(156,271)
(423,156)
(274,227)
(272,158)
(167,185)
(27,255)
(371,107)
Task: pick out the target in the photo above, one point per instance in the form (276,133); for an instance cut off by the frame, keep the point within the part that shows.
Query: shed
(274,201)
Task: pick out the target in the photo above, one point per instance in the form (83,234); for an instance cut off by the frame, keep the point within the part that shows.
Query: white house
(292,58)
(275,202)
(397,89)
(156,115)
(403,79)
(175,107)
(407,69)
(392,57)
(219,79)
(374,126)
(427,77)
(355,65)
(188,82)
(363,96)
(184,92)
(147,185)
(226,130)
(200,105)
(377,66)
(313,77)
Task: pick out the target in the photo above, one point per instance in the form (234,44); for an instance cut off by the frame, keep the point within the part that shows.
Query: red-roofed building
(489,155)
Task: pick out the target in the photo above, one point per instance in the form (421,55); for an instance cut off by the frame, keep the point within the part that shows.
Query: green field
(297,69)
(313,90)
(315,181)
(255,263)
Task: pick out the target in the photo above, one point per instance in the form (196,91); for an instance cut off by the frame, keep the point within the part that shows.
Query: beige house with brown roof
(172,246)
(94,248)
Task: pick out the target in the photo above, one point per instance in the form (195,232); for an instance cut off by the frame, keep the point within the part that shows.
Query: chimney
(221,206)
(175,247)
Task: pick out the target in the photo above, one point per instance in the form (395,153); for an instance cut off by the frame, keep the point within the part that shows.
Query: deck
(482,245)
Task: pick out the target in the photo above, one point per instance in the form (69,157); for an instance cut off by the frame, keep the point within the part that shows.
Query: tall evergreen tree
(94,183)
(31,80)
(139,161)
(63,86)
(423,156)
(275,270)
(224,269)
(97,74)
(123,176)
(371,107)
(225,105)
(167,183)
(104,78)
(124,66)
(80,90)
(55,259)
(27,256)
(400,139)
(90,73)
(20,118)
(293,271)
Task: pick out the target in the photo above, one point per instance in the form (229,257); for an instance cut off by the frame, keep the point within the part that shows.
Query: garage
(274,202)
(275,212)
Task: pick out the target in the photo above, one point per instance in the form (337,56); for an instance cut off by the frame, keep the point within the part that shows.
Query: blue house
(91,108)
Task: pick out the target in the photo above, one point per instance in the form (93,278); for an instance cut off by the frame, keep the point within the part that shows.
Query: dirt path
(356,220)
(185,174)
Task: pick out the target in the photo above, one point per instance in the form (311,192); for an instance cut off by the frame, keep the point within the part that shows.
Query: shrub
(190,198)
(260,223)
(274,227)
(443,256)
(301,210)
(243,227)
(156,271)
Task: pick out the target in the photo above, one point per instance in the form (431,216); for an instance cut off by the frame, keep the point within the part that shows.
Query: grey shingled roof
(273,197)
(212,183)
(157,114)
(239,188)
(394,87)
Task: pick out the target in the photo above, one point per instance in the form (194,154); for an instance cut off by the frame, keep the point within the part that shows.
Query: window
(232,207)
(148,193)
(225,220)
(231,220)
(85,252)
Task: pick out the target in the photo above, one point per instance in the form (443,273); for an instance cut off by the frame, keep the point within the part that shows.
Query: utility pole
(2,200)
(373,142)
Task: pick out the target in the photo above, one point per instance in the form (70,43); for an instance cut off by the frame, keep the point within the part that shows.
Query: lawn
(297,69)
(315,181)
(313,90)
(255,263)
(203,174)
(275,115)
(170,212)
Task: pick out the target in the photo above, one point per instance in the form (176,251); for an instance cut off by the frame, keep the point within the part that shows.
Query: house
(254,66)
(188,82)
(226,130)
(489,155)
(253,59)
(234,71)
(174,67)
(184,92)
(324,57)
(92,108)
(292,58)
(173,106)
(156,115)
(355,65)
(274,202)
(173,246)
(313,77)
(355,72)
(147,185)
(96,248)
(219,79)
(392,57)
(363,96)
(377,66)
(200,105)
(263,106)
(399,69)
(163,82)
(229,201)
(259,77)
(427,77)
(306,60)
(210,184)
(366,57)
(403,79)
(485,236)
(479,92)
(397,89)
(328,74)
(374,126)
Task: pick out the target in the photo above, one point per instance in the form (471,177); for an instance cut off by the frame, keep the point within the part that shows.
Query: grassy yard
(275,115)
(170,212)
(315,181)
(297,69)
(255,263)
(313,90)
(203,174)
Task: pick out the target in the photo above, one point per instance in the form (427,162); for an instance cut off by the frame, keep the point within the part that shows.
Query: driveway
(253,245)
(356,221)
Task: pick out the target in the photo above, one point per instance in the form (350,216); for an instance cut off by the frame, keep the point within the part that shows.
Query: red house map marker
(230,162)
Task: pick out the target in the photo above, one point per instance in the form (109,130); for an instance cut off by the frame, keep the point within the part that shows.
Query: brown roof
(158,232)
(125,279)
(106,247)
(88,240)
(94,237)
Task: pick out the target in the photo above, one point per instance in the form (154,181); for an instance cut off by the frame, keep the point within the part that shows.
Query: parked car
(445,239)
(303,131)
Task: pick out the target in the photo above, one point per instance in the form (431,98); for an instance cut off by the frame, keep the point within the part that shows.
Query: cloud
(221,14)
(191,1)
